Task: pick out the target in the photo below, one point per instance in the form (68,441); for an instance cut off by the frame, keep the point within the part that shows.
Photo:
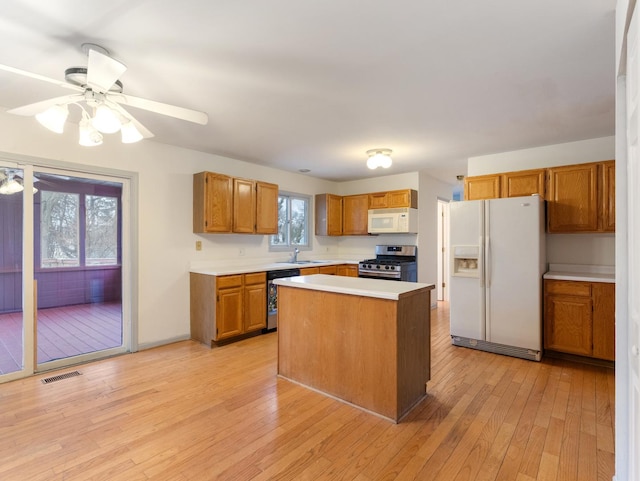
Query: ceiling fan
(98,93)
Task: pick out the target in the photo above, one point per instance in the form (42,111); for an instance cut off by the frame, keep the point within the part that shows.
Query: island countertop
(357,286)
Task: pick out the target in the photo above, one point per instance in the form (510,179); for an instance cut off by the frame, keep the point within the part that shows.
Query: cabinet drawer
(255,278)
(229,281)
(568,288)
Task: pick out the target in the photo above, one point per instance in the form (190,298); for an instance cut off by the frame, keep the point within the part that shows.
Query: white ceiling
(303,84)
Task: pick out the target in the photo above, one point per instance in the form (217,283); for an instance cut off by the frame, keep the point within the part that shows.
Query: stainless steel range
(396,263)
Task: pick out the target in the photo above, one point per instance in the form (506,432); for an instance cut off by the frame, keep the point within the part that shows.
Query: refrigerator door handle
(481,260)
(487,268)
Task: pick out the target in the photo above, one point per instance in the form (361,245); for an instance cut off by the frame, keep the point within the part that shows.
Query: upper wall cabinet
(328,214)
(355,214)
(393,199)
(580,198)
(525,182)
(482,187)
(608,200)
(212,203)
(223,204)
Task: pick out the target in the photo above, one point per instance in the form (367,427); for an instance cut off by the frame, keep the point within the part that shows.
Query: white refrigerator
(497,262)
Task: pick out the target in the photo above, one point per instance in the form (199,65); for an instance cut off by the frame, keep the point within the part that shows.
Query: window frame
(308,221)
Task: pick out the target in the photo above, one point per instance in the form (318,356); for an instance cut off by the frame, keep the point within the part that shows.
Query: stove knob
(378,266)
(386,267)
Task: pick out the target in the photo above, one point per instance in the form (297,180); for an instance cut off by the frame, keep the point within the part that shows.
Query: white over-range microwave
(402,220)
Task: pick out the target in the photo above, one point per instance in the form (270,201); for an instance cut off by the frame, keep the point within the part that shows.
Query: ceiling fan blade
(103,71)
(141,128)
(189,115)
(36,108)
(36,76)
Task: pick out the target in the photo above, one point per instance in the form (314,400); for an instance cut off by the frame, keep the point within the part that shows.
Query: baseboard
(164,342)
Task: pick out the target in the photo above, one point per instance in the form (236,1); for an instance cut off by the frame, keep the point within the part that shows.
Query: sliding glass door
(11,278)
(70,235)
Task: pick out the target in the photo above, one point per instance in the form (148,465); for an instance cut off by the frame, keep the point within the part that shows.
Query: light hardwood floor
(185,412)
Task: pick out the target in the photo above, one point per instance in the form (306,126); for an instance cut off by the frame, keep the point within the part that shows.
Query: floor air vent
(60,377)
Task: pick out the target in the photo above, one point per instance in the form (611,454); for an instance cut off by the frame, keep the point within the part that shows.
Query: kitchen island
(363,341)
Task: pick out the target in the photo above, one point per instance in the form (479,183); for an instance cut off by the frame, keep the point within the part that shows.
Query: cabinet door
(328,214)
(347,270)
(604,320)
(567,324)
(266,208)
(355,214)
(244,206)
(573,198)
(212,202)
(608,199)
(229,312)
(482,187)
(379,200)
(403,198)
(255,306)
(330,270)
(526,182)
(307,271)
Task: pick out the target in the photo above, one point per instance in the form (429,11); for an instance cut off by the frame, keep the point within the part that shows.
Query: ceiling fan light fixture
(130,134)
(54,118)
(89,136)
(10,186)
(106,120)
(379,158)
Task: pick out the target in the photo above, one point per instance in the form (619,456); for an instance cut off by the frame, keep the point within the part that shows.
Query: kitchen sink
(301,262)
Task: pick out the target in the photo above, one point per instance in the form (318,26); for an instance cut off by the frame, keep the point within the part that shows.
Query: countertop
(584,273)
(212,268)
(356,286)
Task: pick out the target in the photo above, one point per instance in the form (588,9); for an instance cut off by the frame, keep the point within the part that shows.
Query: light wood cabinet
(266,208)
(348,270)
(229,307)
(355,214)
(330,270)
(573,198)
(522,183)
(255,304)
(212,203)
(307,271)
(579,318)
(608,196)
(393,198)
(328,214)
(482,187)
(244,206)
(223,204)
(224,307)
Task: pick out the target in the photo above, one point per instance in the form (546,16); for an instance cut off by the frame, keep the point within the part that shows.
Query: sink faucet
(294,255)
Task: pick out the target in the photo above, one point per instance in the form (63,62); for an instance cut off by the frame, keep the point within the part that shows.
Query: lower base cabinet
(223,307)
(579,318)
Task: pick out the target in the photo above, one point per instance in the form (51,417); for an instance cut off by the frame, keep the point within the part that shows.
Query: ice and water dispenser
(466,261)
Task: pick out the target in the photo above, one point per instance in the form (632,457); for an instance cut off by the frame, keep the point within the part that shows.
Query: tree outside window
(293,221)
(63,229)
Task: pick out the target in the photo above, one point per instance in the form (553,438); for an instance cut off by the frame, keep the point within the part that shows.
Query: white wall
(431,190)
(593,249)
(592,150)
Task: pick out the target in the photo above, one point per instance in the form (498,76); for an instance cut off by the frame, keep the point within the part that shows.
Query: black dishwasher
(272,295)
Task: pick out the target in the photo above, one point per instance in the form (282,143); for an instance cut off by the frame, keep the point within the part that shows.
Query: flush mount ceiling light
(379,158)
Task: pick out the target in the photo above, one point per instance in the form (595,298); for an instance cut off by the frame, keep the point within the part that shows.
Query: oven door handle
(379,275)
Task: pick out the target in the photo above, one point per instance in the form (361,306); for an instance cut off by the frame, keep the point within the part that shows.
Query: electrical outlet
(241,251)
(326,249)
(198,245)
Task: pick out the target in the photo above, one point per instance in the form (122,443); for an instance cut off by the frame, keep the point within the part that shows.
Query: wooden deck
(186,412)
(62,332)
